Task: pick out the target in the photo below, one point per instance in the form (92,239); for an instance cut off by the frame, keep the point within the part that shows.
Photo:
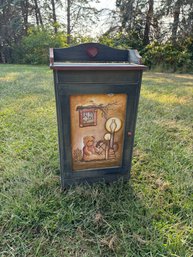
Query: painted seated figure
(90,151)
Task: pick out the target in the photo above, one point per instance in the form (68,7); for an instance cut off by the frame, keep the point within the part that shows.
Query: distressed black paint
(98,78)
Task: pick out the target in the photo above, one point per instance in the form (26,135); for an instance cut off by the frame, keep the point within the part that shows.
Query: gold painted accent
(113,124)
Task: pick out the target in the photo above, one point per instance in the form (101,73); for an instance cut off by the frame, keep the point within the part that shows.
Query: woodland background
(161,30)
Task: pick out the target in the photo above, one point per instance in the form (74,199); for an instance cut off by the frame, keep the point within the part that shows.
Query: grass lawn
(151,215)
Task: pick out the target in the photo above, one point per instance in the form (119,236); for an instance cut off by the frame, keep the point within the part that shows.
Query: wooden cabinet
(97,92)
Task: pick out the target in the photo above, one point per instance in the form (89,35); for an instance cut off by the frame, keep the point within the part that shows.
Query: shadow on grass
(97,220)
(139,218)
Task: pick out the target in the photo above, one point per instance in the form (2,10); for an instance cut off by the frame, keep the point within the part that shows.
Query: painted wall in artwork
(97,130)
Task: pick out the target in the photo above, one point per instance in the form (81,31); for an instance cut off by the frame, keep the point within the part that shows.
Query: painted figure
(90,151)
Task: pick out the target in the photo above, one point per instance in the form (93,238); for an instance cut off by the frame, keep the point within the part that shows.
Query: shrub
(167,57)
(34,47)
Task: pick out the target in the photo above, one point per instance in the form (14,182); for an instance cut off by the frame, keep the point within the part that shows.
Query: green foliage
(168,57)
(122,40)
(165,56)
(151,216)
(78,39)
(112,40)
(34,48)
(189,46)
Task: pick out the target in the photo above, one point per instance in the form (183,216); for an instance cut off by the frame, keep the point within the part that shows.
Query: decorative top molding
(93,53)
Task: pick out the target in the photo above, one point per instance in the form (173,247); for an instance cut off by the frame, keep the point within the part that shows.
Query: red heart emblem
(92,51)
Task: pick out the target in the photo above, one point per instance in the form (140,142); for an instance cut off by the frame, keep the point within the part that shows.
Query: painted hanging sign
(97,130)
(87,116)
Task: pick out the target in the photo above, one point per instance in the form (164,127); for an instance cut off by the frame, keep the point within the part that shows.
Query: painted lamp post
(113,127)
(107,138)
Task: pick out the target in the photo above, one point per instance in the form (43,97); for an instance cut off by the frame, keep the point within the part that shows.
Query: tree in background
(13,24)
(150,20)
(80,14)
(178,15)
(38,14)
(18,16)
(50,14)
(136,21)
(148,25)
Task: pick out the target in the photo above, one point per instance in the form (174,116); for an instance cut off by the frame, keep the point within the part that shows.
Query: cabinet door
(96,130)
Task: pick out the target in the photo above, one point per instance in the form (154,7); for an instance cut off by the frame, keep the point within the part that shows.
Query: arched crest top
(93,52)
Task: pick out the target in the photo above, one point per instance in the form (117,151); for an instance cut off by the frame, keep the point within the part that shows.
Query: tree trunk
(149,17)
(38,14)
(176,16)
(25,11)
(40,18)
(54,16)
(190,20)
(68,22)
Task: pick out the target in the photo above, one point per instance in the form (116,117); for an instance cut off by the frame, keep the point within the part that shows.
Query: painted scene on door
(97,130)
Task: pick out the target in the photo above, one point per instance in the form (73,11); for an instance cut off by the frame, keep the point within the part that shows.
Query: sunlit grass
(168,99)
(11,76)
(151,215)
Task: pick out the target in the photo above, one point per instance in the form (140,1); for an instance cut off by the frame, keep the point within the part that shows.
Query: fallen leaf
(98,218)
(139,239)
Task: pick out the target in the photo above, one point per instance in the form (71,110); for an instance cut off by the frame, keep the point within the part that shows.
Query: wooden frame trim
(86,68)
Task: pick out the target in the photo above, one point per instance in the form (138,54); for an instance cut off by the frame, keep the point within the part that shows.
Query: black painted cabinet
(97,92)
